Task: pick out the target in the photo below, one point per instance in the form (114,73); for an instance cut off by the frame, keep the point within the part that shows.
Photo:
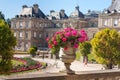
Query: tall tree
(2,16)
(7,42)
(106,47)
(85,49)
(8,22)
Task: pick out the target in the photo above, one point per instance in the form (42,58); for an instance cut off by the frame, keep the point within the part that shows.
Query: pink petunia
(68,34)
(82,31)
(64,39)
(74,33)
(50,46)
(65,48)
(81,39)
(57,33)
(75,45)
(55,42)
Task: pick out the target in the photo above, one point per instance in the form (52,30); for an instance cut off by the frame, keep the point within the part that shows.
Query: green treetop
(7,43)
(106,47)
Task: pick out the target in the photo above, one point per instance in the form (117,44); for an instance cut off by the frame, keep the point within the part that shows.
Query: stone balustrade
(83,75)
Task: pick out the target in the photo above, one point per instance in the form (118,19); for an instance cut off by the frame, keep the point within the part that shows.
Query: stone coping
(82,75)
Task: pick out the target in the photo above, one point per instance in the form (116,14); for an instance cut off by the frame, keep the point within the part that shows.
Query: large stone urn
(68,57)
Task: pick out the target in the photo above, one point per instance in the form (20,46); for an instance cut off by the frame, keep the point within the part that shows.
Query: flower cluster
(25,66)
(62,38)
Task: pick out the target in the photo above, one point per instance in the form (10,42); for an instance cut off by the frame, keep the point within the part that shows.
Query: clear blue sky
(12,7)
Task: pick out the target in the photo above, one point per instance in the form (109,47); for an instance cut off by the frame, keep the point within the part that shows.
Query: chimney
(77,8)
(35,7)
(51,11)
(62,11)
(24,6)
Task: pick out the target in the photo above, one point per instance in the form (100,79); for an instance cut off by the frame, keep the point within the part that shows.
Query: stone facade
(30,32)
(110,18)
(31,27)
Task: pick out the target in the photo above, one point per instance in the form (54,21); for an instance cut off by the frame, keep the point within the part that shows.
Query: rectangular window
(115,22)
(40,35)
(46,34)
(27,24)
(21,24)
(26,34)
(35,35)
(20,34)
(15,34)
(13,25)
(105,23)
(26,46)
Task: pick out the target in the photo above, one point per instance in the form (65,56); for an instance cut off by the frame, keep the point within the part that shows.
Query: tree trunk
(109,66)
(85,59)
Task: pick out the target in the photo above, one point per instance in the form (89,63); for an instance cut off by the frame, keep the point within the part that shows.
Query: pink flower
(53,38)
(81,39)
(82,31)
(64,39)
(50,46)
(74,33)
(67,29)
(65,48)
(57,33)
(68,34)
(76,46)
(55,42)
(61,36)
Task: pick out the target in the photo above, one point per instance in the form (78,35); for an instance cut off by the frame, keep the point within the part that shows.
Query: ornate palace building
(110,18)
(32,27)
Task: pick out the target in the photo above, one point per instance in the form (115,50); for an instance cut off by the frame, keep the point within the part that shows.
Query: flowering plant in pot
(62,38)
(69,40)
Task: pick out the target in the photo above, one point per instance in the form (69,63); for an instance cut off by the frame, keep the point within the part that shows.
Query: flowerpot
(68,57)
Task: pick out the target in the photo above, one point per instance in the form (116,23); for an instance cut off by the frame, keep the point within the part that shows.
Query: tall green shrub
(32,51)
(85,49)
(7,42)
(106,47)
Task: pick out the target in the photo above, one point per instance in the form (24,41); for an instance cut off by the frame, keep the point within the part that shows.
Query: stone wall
(89,75)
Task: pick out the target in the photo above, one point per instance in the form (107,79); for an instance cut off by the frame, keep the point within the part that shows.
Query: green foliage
(85,48)
(78,55)
(7,42)
(30,61)
(32,51)
(35,48)
(91,57)
(2,16)
(106,46)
